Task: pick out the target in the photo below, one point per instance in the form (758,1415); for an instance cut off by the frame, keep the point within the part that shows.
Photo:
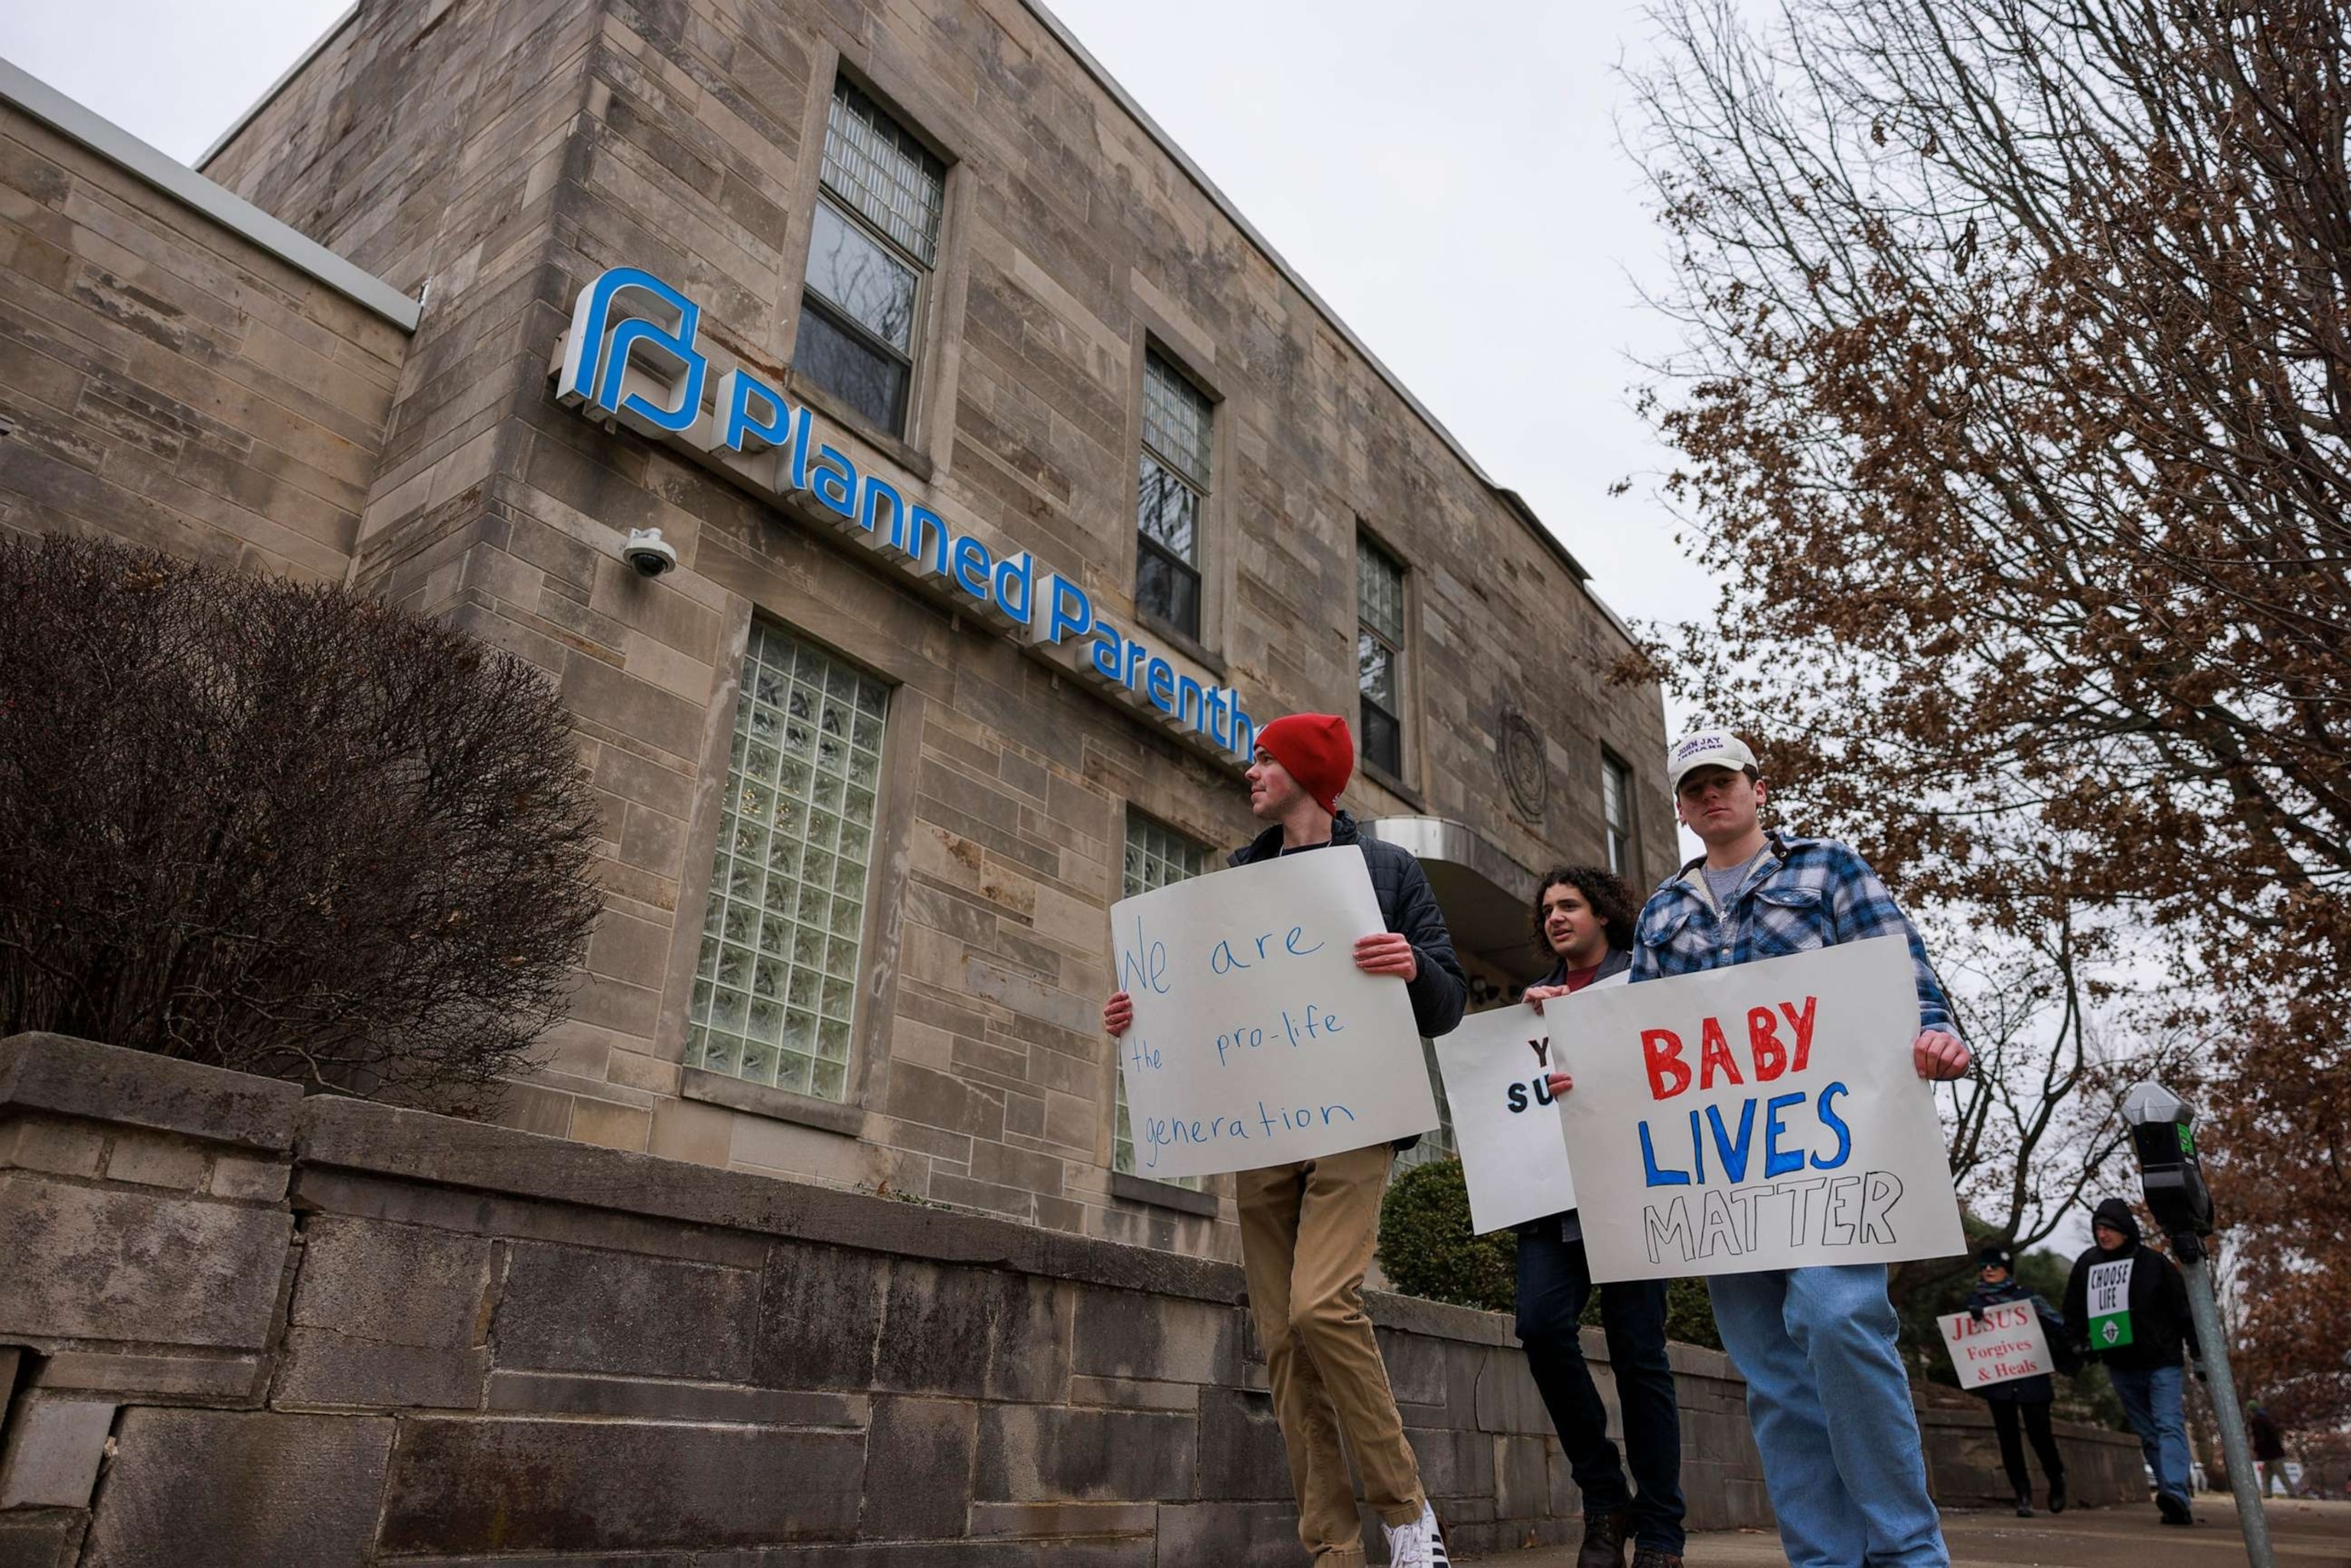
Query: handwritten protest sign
(1255,1040)
(1763,1115)
(2006,1344)
(1496,1066)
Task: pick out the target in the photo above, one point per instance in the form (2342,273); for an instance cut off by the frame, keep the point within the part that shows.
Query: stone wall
(2102,1467)
(166,381)
(255,1330)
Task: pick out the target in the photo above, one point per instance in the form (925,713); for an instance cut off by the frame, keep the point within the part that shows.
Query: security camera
(648,552)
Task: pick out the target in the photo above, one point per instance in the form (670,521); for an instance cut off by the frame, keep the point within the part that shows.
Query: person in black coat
(2128,1305)
(1583,918)
(2020,1401)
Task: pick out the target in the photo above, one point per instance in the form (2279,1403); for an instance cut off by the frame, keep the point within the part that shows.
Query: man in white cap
(1826,1392)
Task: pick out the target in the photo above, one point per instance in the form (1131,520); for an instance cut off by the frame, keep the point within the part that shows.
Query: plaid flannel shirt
(1800,893)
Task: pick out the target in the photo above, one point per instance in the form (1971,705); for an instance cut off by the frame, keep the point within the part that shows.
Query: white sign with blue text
(1497,1070)
(1765,1116)
(1256,1041)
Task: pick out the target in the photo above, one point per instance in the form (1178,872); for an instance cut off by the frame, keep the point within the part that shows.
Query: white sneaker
(1418,1544)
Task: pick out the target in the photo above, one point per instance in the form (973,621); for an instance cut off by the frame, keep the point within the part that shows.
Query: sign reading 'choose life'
(1256,1041)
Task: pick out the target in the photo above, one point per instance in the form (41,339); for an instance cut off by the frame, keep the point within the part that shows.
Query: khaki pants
(1307,1234)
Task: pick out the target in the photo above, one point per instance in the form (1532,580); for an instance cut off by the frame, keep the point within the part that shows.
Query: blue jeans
(2151,1397)
(1554,1283)
(1831,1408)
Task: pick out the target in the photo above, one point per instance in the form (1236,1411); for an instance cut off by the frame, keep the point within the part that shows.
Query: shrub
(279,828)
(1426,1248)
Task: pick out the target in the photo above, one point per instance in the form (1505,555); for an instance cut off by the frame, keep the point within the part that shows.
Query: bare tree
(278,828)
(2016,420)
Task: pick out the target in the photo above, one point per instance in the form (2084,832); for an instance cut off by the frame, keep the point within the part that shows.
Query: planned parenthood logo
(631,357)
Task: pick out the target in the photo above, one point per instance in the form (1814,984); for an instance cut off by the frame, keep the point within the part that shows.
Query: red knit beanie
(1316,750)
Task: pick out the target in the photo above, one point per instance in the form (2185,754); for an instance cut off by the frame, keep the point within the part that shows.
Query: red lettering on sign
(1714,1052)
(1661,1051)
(1802,1024)
(1763,1044)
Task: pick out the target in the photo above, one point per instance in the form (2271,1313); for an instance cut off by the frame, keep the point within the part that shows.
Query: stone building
(421,324)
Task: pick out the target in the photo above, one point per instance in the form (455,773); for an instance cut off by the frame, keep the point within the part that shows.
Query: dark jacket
(2269,1443)
(2018,1390)
(2160,1323)
(1441,990)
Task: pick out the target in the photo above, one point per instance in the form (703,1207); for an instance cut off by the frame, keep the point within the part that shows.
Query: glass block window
(1156,855)
(1173,491)
(883,174)
(872,243)
(775,994)
(1616,814)
(1379,655)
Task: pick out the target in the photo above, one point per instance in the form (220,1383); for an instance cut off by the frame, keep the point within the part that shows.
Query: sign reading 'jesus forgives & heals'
(1256,1041)
(1764,1115)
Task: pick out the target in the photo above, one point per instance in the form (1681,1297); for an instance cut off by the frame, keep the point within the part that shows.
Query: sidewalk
(2304,1534)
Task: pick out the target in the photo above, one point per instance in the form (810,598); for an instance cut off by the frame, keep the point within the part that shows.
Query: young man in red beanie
(1308,1229)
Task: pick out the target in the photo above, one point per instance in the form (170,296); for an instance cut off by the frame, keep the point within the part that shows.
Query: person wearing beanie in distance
(2143,1358)
(1308,1230)
(2020,1399)
(1826,1390)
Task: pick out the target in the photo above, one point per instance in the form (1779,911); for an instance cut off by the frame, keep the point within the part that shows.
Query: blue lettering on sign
(1734,1153)
(626,318)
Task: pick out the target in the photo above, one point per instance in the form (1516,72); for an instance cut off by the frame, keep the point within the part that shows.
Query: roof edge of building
(269,94)
(1512,502)
(83,126)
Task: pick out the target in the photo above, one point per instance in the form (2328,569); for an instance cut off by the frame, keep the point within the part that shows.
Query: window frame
(931,279)
(1203,491)
(1398,664)
(1616,770)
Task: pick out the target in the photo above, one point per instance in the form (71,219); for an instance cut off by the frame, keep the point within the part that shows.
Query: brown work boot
(1603,1540)
(1656,1557)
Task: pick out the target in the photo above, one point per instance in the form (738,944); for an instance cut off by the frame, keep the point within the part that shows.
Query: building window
(775,994)
(1156,855)
(1617,813)
(1173,494)
(872,246)
(1379,655)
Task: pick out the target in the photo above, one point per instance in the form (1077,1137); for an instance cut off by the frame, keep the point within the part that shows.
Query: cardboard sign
(1765,1116)
(2008,1344)
(2109,1302)
(1255,1040)
(1496,1066)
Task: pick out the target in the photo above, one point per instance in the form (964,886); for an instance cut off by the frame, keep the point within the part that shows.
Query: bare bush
(279,828)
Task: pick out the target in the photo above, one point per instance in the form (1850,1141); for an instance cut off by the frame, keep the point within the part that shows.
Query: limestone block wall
(168,383)
(248,1329)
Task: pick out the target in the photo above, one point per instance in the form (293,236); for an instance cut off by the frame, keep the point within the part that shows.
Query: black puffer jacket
(1441,990)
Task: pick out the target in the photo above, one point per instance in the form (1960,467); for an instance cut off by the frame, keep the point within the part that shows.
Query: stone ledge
(1163,1194)
(69,1077)
(764,1100)
(440,1151)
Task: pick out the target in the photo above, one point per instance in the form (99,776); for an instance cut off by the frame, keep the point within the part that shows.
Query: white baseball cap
(1706,748)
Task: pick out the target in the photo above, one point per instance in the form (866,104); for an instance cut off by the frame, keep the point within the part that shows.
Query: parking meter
(2171,1173)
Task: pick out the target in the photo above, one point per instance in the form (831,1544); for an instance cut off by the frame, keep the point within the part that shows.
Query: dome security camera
(648,552)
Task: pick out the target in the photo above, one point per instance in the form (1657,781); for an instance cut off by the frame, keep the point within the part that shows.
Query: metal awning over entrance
(1488,897)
